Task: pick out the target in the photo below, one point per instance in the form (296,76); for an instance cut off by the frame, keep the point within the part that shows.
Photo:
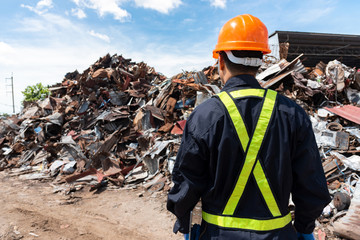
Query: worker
(244,151)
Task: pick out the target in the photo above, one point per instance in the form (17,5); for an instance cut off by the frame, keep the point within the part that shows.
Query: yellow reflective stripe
(252,153)
(236,119)
(266,190)
(247,223)
(240,185)
(248,93)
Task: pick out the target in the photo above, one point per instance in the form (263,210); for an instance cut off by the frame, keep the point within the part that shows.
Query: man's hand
(303,236)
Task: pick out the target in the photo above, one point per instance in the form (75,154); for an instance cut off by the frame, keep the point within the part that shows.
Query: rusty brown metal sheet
(76,176)
(156,112)
(348,112)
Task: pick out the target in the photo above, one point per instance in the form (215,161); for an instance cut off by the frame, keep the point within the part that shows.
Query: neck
(229,75)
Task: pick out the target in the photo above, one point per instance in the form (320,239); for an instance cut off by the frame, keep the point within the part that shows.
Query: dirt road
(30,210)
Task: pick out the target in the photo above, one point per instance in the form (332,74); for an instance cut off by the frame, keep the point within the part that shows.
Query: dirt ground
(31,210)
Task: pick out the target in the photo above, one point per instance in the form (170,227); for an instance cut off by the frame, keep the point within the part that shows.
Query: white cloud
(79,13)
(104,7)
(44,4)
(218,3)
(47,23)
(162,6)
(4,47)
(5,50)
(40,8)
(77,2)
(100,36)
(33,9)
(32,25)
(109,7)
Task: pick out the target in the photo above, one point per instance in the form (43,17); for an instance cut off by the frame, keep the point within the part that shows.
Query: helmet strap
(247,61)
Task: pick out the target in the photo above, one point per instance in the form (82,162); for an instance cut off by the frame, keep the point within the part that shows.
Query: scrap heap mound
(119,123)
(119,120)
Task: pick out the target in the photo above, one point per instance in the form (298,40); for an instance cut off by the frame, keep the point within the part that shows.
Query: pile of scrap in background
(118,123)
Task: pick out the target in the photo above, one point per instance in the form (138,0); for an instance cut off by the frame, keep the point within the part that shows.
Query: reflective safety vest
(252,165)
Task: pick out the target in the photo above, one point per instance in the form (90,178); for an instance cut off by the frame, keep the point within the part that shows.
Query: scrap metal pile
(118,120)
(119,123)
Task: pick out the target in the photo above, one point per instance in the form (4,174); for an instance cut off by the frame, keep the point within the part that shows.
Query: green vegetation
(35,92)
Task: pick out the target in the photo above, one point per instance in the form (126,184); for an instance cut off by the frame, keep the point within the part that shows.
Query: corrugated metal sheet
(348,112)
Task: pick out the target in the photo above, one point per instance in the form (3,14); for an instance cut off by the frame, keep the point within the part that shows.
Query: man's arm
(189,177)
(309,191)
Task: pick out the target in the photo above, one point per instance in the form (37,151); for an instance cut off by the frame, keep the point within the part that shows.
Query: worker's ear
(221,68)
(221,63)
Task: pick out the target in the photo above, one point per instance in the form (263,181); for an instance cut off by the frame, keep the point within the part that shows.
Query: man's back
(212,157)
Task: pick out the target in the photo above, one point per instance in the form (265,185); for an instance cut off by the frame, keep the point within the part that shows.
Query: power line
(12,90)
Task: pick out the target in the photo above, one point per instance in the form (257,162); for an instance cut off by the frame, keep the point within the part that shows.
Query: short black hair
(233,67)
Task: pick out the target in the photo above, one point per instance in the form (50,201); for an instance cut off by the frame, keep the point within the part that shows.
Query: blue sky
(42,40)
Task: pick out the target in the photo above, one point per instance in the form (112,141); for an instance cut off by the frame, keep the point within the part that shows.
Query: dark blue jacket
(210,159)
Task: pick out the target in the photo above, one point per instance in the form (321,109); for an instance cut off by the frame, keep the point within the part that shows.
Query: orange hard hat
(244,32)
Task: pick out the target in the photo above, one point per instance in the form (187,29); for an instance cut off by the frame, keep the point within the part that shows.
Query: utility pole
(12,90)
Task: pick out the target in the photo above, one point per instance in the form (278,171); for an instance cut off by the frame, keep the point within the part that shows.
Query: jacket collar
(241,81)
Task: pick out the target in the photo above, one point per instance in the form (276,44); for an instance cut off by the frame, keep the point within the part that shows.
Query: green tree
(35,92)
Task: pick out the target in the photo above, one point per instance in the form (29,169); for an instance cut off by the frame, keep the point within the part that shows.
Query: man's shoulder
(205,115)
(287,105)
(294,112)
(211,106)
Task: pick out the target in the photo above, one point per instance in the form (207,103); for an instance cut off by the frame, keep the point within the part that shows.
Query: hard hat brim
(264,51)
